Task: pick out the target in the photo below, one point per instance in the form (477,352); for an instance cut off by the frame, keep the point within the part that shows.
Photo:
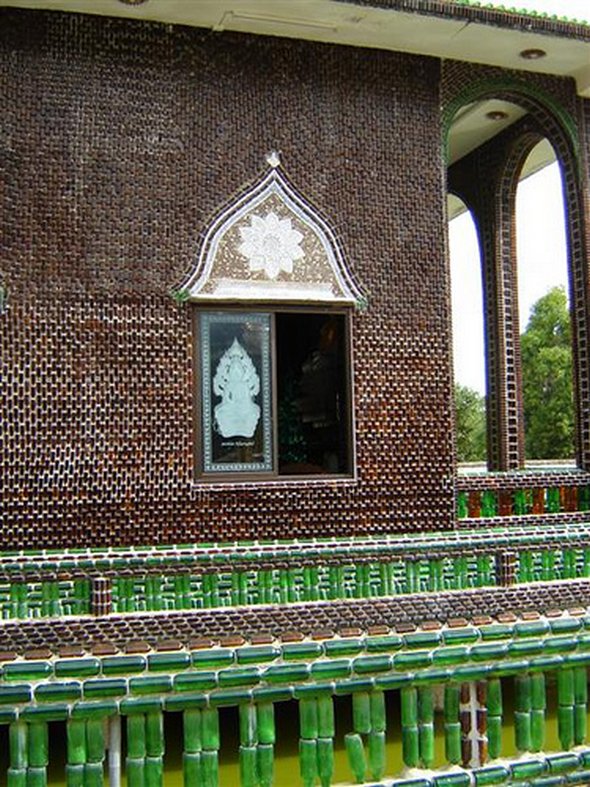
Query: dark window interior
(312,402)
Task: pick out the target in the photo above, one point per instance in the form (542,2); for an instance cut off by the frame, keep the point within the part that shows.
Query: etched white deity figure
(237,382)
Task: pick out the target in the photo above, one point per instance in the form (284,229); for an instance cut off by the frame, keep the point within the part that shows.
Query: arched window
(493,143)
(468,334)
(544,311)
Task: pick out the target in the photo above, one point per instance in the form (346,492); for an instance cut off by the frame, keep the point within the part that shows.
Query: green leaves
(470,414)
(547,379)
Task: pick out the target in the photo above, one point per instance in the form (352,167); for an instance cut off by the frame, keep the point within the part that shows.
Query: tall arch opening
(501,163)
(468,327)
(546,362)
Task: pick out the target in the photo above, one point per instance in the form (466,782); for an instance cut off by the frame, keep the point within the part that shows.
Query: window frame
(203,477)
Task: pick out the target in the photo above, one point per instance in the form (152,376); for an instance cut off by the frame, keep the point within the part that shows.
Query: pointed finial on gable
(273,159)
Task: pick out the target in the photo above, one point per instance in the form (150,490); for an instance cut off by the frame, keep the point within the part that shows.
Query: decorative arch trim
(516,91)
(270,245)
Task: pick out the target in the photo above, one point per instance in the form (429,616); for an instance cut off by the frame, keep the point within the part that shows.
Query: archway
(544,312)
(489,143)
(468,334)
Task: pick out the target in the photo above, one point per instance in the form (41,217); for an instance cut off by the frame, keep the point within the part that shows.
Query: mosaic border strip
(47,584)
(228,675)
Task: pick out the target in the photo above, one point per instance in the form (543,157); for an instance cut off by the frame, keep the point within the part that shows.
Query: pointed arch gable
(271,245)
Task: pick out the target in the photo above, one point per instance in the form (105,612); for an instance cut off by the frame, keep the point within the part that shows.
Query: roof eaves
(488,13)
(522,12)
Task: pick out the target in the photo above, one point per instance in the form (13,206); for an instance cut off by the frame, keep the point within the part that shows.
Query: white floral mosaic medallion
(271,245)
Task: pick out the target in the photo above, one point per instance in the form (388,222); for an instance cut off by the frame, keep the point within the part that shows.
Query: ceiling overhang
(541,156)
(349,23)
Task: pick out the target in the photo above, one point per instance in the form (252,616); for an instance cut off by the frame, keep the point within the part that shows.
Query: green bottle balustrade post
(292,583)
(435,575)
(377,750)
(356,756)
(489,504)
(355,741)
(248,745)
(410,735)
(547,565)
(336,582)
(265,712)
(38,754)
(412,576)
(257,738)
(366,747)
(538,707)
(462,507)
(494,705)
(18,751)
(569,564)
(553,503)
(581,705)
(19,599)
(326,731)
(460,572)
(136,750)
(484,571)
(525,567)
(211,743)
(95,752)
(520,504)
(154,748)
(359,581)
(565,709)
(386,585)
(308,735)
(522,712)
(452,724)
(181,589)
(426,725)
(192,738)
(76,752)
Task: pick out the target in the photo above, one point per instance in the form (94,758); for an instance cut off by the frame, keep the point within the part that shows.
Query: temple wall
(119,142)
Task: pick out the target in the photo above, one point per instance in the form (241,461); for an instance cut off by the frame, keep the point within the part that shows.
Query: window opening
(544,314)
(311,394)
(274,393)
(468,336)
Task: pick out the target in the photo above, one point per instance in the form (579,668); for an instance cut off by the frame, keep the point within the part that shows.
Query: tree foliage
(546,357)
(547,388)
(470,420)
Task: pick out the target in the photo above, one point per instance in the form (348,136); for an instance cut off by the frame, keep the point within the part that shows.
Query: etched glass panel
(236,392)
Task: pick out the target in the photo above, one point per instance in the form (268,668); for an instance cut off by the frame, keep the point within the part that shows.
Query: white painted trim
(272,183)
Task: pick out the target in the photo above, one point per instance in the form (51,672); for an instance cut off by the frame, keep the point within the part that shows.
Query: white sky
(542,264)
(541,245)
